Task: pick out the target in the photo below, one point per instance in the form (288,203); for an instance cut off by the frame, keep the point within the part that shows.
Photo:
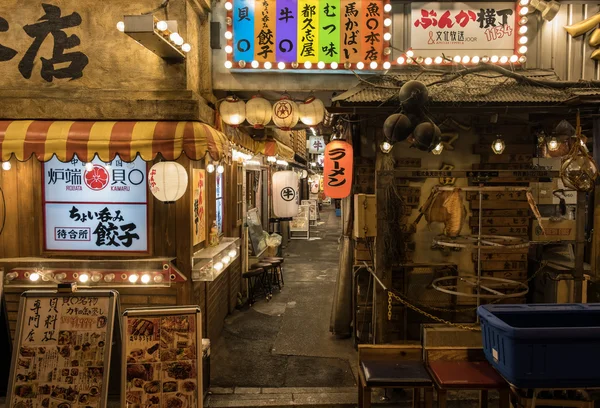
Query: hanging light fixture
(210,167)
(220,169)
(498,146)
(6,165)
(258,112)
(386,147)
(438,149)
(233,111)
(168,181)
(553,144)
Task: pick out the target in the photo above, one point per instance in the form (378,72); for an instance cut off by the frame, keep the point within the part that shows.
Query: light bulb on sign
(158,278)
(6,165)
(218,266)
(145,278)
(523,49)
(438,149)
(60,276)
(387,65)
(109,277)
(523,20)
(438,60)
(524,2)
(522,59)
(523,30)
(524,11)
(494,59)
(162,25)
(360,65)
(232,253)
(475,60)
(410,53)
(428,61)
(89,166)
(84,277)
(373,65)
(347,65)
(320,65)
(307,64)
(226,259)
(387,22)
(210,168)
(254,64)
(96,277)
(133,278)
(466,59)
(457,59)
(514,58)
(485,58)
(281,65)
(228,64)
(228,35)
(387,36)
(498,146)
(228,6)
(242,64)
(503,59)
(220,169)
(387,8)
(334,65)
(121,26)
(523,40)
(400,60)
(187,48)
(553,144)
(267,65)
(34,277)
(228,49)
(173,37)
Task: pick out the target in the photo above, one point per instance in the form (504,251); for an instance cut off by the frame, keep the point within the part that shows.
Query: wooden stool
(468,375)
(280,266)
(393,366)
(255,276)
(275,276)
(266,266)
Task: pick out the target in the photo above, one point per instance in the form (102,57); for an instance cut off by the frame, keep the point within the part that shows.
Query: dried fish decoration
(446,207)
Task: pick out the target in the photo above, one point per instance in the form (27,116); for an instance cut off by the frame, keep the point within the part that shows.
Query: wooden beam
(595,252)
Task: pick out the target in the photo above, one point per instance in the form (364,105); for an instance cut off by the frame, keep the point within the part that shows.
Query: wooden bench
(393,366)
(464,368)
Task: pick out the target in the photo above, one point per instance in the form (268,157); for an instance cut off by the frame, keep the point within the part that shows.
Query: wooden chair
(393,366)
(464,368)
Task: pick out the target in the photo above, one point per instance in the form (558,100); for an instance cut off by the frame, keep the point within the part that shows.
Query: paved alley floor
(286,342)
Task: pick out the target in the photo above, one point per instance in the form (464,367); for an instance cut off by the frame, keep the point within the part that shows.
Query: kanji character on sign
(486,18)
(330,51)
(127,237)
(6,54)
(504,14)
(243,14)
(285,14)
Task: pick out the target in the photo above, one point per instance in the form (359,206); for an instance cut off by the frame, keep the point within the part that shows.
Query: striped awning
(274,148)
(43,139)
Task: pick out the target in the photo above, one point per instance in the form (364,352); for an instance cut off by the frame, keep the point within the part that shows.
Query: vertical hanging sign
(337,170)
(329,30)
(287,29)
(371,31)
(351,23)
(243,30)
(264,30)
(308,31)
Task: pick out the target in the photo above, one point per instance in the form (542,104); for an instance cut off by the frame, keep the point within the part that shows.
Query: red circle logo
(97,178)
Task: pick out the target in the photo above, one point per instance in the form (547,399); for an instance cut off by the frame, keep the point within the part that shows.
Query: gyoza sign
(98,207)
(453,28)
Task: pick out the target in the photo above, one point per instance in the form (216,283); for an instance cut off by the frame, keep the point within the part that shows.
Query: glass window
(219,199)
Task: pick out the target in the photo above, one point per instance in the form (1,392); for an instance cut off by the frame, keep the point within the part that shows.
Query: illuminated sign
(95,206)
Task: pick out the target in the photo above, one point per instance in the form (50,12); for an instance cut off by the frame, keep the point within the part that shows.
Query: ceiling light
(386,147)
(210,167)
(6,165)
(438,149)
(121,26)
(220,169)
(553,144)
(498,146)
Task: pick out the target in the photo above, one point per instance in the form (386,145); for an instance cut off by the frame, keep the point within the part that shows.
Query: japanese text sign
(95,206)
(308,30)
(337,170)
(316,145)
(63,348)
(478,28)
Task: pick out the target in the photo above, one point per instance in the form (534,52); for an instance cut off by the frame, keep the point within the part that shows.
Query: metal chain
(392,295)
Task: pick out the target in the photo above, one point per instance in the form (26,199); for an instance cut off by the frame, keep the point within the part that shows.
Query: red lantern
(337,170)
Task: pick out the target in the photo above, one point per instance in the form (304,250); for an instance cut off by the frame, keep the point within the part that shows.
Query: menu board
(301,221)
(162,358)
(61,357)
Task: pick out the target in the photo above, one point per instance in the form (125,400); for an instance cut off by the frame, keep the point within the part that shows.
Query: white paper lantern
(311,111)
(258,112)
(285,113)
(285,194)
(168,181)
(233,111)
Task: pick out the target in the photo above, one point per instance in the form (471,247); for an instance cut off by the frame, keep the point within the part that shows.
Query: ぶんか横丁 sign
(467,33)
(308,34)
(95,206)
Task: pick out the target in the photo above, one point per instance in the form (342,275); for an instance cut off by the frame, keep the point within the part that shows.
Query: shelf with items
(208,263)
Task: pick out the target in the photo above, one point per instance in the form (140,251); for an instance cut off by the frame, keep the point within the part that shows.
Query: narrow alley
(286,342)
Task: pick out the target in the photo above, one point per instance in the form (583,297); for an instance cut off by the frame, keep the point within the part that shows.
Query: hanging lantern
(168,181)
(579,171)
(426,136)
(413,95)
(233,111)
(285,194)
(311,111)
(337,171)
(285,113)
(258,112)
(397,127)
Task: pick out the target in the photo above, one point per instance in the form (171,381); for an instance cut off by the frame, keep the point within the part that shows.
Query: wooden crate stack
(503,213)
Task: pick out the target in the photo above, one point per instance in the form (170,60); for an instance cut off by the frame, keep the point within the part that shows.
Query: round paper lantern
(337,169)
(426,136)
(311,111)
(413,95)
(285,194)
(285,113)
(232,111)
(397,127)
(258,112)
(168,181)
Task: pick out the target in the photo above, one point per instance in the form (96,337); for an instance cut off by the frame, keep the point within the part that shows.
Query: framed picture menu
(62,351)
(162,357)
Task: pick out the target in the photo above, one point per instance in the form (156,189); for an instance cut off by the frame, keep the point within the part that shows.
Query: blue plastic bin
(543,345)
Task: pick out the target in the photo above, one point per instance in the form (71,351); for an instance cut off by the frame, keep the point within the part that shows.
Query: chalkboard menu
(62,352)
(162,357)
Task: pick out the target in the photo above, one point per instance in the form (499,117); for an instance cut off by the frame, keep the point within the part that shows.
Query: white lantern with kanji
(233,111)
(312,111)
(285,113)
(285,194)
(258,112)
(168,181)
